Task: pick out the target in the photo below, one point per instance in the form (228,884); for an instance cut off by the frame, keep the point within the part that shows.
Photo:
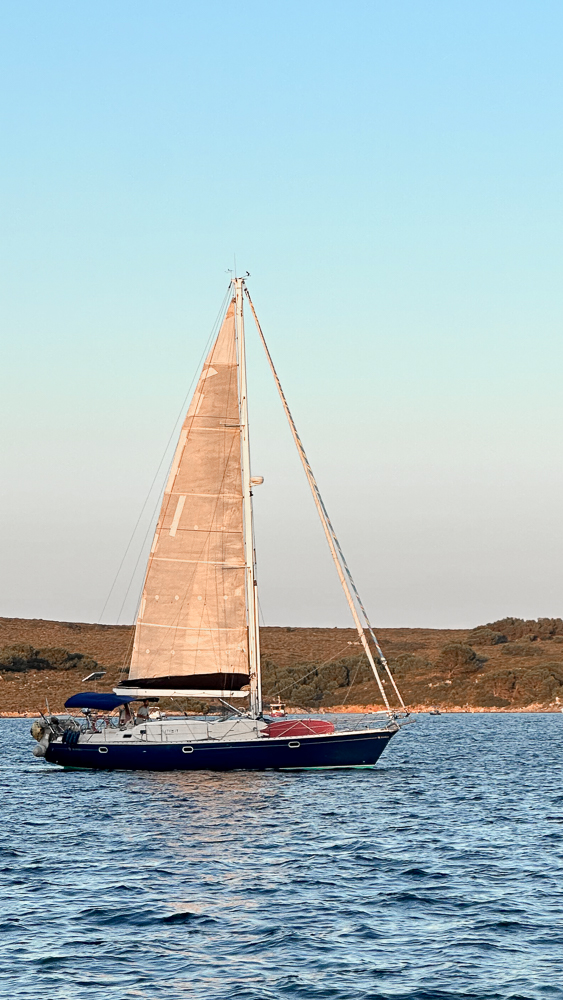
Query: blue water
(438,875)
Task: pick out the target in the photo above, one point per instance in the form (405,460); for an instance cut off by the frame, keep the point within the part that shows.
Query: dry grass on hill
(506,665)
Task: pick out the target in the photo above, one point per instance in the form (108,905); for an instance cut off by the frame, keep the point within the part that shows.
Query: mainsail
(191,632)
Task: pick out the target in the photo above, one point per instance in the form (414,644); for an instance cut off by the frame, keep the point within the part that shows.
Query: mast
(250,568)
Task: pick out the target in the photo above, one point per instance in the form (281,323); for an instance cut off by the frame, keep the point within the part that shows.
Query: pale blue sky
(391,175)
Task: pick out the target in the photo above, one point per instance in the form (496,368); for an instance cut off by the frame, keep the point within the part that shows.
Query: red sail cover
(299,727)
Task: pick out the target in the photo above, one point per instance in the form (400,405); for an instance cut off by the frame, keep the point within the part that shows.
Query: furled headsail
(191,632)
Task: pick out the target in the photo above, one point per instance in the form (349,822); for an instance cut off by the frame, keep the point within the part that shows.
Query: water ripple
(438,876)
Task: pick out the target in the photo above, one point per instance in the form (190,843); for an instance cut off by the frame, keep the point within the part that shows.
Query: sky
(390,174)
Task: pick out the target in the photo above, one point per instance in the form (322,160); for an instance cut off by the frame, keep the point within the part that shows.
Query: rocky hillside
(509,664)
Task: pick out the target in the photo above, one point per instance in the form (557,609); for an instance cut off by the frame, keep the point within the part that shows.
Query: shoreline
(533,709)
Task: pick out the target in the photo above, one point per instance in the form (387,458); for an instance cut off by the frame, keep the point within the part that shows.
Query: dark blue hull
(334,750)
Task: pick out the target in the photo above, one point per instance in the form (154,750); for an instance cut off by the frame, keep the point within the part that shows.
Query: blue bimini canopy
(93,699)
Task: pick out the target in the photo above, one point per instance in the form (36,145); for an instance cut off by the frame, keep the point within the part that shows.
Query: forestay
(191,632)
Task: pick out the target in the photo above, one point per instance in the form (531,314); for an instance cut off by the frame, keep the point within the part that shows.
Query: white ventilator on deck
(192,628)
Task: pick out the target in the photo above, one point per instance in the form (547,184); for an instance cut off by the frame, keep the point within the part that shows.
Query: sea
(437,875)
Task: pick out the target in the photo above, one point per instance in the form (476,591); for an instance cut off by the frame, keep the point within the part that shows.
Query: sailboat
(197,633)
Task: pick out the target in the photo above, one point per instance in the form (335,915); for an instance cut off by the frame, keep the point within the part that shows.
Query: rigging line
(182,408)
(336,551)
(352,682)
(356,594)
(318,666)
(141,548)
(366,718)
(323,511)
(151,487)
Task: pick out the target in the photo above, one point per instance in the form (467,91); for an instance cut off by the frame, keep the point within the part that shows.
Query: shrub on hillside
(408,664)
(522,649)
(308,683)
(24,657)
(543,682)
(456,658)
(16,657)
(485,636)
(501,682)
(62,659)
(537,683)
(517,628)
